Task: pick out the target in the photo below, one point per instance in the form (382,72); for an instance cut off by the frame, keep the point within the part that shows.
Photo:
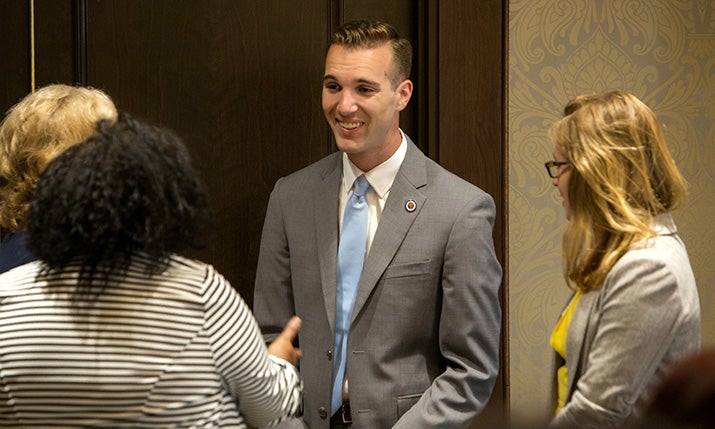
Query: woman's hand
(282,346)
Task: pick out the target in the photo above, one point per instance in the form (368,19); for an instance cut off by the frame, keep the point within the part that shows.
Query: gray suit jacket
(625,335)
(424,337)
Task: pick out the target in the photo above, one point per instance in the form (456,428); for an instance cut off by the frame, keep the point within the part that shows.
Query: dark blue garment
(13,251)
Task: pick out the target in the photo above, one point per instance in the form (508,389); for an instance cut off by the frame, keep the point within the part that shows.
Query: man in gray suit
(412,342)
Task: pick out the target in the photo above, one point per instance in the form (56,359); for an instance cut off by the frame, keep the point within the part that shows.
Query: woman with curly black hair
(112,328)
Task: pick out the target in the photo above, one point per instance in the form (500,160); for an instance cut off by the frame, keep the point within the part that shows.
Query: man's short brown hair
(372,34)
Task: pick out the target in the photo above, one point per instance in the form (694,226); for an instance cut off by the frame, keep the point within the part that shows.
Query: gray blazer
(625,335)
(424,337)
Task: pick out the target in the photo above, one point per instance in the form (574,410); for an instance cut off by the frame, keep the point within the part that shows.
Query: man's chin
(347,145)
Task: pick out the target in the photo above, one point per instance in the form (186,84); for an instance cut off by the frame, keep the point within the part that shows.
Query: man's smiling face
(361,103)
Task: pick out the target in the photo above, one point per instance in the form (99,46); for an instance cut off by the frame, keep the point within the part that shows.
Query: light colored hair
(622,176)
(374,34)
(34,132)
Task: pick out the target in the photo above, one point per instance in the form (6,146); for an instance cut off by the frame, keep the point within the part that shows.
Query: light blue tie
(351,254)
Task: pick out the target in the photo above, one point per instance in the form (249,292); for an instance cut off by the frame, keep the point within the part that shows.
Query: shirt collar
(380,177)
(664,225)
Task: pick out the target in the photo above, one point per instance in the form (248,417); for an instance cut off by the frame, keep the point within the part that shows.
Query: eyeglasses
(553,167)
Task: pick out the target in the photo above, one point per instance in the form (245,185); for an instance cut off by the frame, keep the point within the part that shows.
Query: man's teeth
(350,125)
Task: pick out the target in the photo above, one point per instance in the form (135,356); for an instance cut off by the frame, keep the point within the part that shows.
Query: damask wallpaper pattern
(663,51)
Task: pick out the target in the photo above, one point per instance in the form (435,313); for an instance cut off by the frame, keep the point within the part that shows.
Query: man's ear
(404,91)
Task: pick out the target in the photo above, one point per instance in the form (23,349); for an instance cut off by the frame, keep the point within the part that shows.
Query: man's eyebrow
(369,82)
(365,81)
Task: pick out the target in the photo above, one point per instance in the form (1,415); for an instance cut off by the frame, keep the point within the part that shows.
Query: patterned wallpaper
(663,51)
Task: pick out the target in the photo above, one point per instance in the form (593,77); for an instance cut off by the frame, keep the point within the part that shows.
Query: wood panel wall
(240,81)
(471,121)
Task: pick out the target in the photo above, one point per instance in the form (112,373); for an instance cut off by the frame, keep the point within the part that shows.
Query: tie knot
(360,186)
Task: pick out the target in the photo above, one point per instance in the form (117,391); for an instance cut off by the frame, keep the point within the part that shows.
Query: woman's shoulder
(659,264)
(189,268)
(664,250)
(19,278)
(178,269)
(182,263)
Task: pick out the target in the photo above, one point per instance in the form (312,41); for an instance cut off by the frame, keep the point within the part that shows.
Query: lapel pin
(410,205)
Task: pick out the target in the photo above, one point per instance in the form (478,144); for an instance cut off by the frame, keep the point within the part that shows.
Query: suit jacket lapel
(577,343)
(394,222)
(325,209)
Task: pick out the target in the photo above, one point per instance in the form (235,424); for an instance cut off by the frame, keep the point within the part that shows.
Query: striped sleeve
(267,389)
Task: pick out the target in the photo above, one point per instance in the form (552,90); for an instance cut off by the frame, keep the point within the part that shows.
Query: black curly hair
(130,189)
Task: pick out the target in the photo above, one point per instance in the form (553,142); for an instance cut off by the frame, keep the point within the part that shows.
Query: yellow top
(558,342)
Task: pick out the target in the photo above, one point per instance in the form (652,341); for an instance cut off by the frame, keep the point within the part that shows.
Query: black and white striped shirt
(178,349)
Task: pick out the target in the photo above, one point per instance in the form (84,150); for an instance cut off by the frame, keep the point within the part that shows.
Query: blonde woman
(635,307)
(34,132)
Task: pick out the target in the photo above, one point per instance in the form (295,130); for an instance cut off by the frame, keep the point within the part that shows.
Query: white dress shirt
(380,179)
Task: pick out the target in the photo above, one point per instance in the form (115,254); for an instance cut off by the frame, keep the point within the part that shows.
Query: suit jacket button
(330,355)
(323,413)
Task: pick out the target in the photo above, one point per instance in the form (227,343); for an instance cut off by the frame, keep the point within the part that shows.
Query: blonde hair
(34,132)
(622,176)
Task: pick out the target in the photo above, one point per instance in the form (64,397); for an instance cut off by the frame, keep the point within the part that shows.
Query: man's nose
(346,103)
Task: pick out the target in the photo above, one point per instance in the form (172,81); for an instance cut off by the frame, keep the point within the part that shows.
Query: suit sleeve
(639,318)
(469,326)
(273,294)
